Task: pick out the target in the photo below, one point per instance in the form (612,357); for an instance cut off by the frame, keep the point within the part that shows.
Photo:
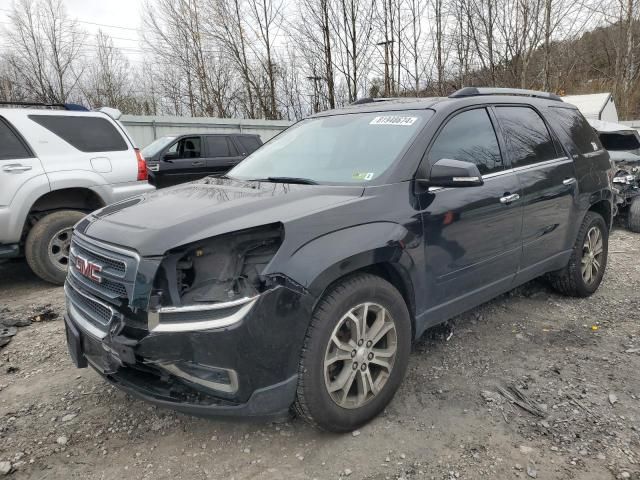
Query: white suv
(57,163)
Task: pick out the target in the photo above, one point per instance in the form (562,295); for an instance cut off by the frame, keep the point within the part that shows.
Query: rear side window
(527,136)
(248,144)
(469,137)
(11,147)
(218,146)
(87,134)
(574,125)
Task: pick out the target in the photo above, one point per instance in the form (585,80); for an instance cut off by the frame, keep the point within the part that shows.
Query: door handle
(197,164)
(569,181)
(507,199)
(16,167)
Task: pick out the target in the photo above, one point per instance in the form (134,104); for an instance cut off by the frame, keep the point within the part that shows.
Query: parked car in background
(177,159)
(302,277)
(623,144)
(58,163)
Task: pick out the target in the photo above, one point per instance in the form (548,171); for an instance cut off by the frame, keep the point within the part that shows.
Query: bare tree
(107,79)
(46,49)
(267,15)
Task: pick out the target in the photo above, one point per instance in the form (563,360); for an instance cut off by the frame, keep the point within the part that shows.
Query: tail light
(142,166)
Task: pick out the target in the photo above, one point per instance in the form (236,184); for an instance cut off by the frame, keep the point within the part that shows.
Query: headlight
(223,269)
(624,179)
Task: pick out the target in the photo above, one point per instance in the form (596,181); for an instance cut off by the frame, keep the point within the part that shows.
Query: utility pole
(387,83)
(316,96)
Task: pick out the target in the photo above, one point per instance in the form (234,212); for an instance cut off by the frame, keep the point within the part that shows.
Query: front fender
(321,261)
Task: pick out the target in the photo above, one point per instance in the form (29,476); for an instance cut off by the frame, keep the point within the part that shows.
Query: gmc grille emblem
(88,269)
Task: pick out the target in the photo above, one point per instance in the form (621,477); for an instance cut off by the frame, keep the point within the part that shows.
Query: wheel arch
(603,208)
(75,198)
(392,271)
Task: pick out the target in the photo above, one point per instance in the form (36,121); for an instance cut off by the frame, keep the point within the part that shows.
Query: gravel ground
(576,362)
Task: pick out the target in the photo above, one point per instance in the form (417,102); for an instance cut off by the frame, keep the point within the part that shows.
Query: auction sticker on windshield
(362,175)
(394,120)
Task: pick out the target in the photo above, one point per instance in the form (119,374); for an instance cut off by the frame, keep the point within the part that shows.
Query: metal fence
(145,129)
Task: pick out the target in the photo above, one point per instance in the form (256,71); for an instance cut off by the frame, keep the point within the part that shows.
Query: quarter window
(576,127)
(11,147)
(469,137)
(87,134)
(527,136)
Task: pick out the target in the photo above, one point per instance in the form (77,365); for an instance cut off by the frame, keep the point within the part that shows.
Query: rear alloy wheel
(592,254)
(583,274)
(355,354)
(48,243)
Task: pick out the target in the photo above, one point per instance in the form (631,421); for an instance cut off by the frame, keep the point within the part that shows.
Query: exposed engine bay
(623,144)
(221,269)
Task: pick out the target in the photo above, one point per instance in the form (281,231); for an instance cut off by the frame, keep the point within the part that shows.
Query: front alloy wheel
(355,353)
(360,355)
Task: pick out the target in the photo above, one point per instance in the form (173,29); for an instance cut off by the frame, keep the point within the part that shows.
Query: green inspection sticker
(362,175)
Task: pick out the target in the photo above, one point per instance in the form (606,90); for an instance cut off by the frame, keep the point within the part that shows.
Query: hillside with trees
(285,59)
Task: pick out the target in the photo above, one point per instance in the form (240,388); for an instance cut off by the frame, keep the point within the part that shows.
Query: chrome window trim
(156,325)
(531,166)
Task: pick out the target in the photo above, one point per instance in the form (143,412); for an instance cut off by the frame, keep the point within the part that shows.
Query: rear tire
(583,274)
(633,216)
(355,354)
(47,245)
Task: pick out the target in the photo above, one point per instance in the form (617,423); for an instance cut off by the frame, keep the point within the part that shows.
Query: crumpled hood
(156,222)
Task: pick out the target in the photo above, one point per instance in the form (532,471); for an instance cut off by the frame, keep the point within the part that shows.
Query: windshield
(352,148)
(155,146)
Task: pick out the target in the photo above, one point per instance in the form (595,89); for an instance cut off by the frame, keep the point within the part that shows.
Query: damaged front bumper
(240,359)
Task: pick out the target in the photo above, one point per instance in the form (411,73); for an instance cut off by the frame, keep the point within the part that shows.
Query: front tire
(583,274)
(633,216)
(355,354)
(48,242)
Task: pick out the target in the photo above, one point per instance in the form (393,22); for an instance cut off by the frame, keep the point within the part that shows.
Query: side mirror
(170,157)
(447,172)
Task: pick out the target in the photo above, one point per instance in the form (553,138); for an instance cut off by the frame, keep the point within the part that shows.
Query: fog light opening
(213,378)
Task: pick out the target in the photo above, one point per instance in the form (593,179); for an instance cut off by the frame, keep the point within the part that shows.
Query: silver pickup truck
(58,163)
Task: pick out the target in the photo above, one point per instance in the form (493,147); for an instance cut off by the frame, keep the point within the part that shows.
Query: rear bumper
(248,369)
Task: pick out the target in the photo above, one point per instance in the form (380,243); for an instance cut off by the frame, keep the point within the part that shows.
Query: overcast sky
(120,19)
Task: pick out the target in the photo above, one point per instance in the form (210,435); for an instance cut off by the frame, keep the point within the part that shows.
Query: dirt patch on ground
(576,360)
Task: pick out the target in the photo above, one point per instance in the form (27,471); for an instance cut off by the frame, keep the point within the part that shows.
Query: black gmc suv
(302,277)
(178,159)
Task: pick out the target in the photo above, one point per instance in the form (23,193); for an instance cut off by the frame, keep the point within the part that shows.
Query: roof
(420,103)
(591,105)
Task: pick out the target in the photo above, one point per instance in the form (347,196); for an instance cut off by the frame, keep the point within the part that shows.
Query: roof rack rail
(477,91)
(65,106)
(361,101)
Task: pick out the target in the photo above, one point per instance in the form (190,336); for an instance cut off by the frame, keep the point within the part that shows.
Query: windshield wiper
(302,181)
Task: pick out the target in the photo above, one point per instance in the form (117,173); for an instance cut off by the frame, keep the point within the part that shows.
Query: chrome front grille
(117,273)
(117,266)
(98,312)
(97,294)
